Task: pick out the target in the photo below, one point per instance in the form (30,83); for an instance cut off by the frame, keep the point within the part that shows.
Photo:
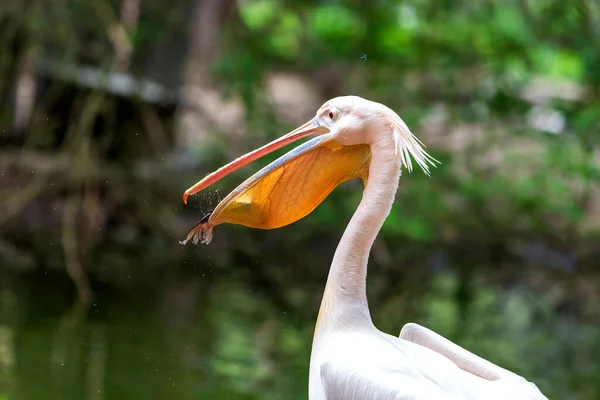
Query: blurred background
(110,109)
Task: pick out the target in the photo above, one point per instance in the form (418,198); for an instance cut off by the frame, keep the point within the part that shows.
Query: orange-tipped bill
(310,128)
(286,190)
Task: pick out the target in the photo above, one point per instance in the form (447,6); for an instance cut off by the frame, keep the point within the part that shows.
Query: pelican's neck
(345,299)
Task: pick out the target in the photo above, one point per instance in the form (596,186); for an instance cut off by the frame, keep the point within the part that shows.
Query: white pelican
(351,358)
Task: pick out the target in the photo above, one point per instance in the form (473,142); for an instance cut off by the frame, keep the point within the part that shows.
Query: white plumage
(351,359)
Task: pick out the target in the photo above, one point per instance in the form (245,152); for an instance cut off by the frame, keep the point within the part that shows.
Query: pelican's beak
(312,127)
(287,189)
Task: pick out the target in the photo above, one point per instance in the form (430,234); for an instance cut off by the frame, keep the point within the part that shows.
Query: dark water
(196,334)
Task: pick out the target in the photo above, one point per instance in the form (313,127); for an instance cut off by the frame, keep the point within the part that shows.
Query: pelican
(351,358)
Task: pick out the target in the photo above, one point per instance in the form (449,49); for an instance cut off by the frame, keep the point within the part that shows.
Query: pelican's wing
(464,359)
(342,381)
(468,361)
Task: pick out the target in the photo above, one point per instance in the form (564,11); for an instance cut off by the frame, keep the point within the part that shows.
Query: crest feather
(409,145)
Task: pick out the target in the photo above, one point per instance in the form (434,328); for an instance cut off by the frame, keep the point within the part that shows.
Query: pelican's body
(351,358)
(365,363)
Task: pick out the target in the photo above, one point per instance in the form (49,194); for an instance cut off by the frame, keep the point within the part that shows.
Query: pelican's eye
(330,113)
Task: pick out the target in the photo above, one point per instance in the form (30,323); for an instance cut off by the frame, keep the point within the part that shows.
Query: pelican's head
(353,120)
(347,129)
